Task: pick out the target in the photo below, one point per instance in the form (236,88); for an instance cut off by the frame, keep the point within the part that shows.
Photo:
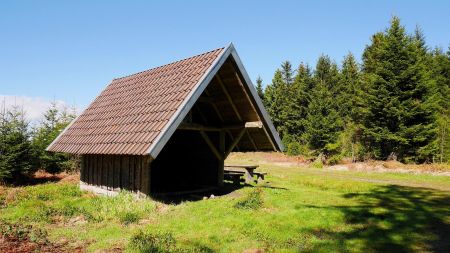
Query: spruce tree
(327,73)
(15,148)
(275,101)
(279,101)
(259,88)
(287,73)
(397,120)
(322,124)
(350,105)
(350,95)
(439,148)
(300,92)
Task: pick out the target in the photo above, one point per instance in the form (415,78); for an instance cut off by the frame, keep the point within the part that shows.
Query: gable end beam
(227,94)
(187,104)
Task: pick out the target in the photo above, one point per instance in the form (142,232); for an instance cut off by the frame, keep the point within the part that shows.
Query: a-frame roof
(138,114)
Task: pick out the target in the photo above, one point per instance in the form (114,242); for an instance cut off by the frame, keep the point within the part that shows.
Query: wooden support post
(116,159)
(211,145)
(251,140)
(131,174)
(87,176)
(146,175)
(234,143)
(83,168)
(222,160)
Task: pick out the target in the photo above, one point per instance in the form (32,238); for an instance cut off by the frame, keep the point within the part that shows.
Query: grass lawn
(301,209)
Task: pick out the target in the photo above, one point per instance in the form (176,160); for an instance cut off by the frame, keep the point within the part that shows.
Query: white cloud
(34,107)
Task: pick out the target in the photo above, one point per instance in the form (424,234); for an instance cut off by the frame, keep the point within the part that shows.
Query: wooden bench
(234,176)
(260,176)
(248,173)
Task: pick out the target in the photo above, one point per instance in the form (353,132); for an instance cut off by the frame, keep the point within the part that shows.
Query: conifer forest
(392,104)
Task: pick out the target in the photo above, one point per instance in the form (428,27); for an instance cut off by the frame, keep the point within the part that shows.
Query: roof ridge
(177,61)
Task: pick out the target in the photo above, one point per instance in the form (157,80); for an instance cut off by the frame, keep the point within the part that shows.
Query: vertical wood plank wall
(117,172)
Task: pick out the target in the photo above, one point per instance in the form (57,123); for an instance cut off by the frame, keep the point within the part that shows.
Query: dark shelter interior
(223,119)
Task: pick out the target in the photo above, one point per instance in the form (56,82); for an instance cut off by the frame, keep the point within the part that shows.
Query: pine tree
(15,148)
(259,88)
(397,120)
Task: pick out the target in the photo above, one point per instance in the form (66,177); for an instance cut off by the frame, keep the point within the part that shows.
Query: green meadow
(299,209)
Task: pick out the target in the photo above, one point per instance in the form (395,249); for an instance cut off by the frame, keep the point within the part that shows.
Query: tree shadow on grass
(394,218)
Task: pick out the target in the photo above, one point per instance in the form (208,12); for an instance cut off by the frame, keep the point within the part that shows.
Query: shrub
(335,159)
(252,201)
(152,242)
(318,163)
(128,217)
(124,207)
(22,232)
(294,148)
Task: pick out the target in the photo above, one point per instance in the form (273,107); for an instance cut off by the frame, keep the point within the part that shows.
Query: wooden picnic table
(249,172)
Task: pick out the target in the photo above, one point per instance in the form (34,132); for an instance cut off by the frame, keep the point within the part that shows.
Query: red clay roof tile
(131,112)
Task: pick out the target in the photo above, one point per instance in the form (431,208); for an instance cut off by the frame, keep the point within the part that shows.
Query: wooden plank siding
(117,172)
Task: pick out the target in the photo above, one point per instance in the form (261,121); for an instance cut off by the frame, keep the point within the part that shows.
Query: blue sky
(71,50)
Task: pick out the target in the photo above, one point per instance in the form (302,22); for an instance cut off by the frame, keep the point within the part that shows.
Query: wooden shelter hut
(169,128)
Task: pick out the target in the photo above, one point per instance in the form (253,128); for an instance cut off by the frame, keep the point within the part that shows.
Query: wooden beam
(199,127)
(222,160)
(211,145)
(251,140)
(253,124)
(219,115)
(254,108)
(205,120)
(232,139)
(230,100)
(208,99)
(235,142)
